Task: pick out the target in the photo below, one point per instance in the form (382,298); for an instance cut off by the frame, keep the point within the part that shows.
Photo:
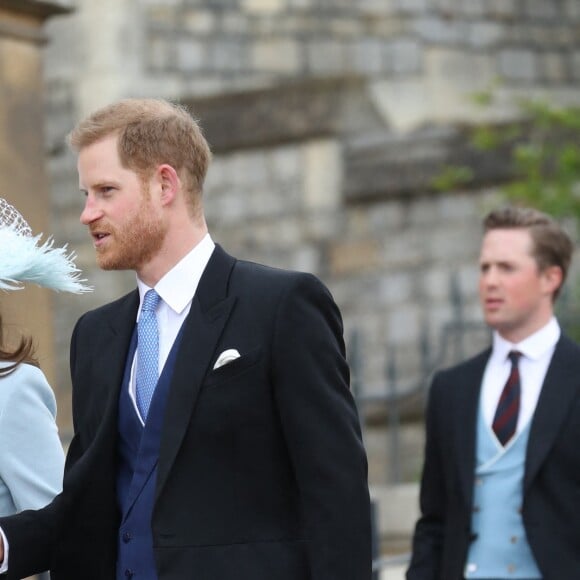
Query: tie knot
(514,356)
(150,301)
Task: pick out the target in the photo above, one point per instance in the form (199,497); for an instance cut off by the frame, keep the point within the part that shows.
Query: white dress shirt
(176,289)
(537,350)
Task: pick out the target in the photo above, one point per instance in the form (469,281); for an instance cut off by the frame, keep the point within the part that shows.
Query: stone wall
(419,57)
(23,176)
(328,119)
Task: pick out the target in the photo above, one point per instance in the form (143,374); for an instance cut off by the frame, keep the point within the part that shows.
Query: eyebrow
(102,183)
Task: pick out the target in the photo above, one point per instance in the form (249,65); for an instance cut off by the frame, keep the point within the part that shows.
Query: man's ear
(553,279)
(169,182)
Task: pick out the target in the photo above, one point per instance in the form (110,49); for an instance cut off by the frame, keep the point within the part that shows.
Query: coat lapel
(115,339)
(210,310)
(559,389)
(465,420)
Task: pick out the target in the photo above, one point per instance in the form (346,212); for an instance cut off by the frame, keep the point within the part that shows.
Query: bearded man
(216,437)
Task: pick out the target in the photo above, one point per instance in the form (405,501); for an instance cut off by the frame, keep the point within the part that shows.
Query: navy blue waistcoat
(137,474)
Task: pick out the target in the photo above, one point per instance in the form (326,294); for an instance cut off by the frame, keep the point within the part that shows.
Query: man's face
(515,295)
(120,211)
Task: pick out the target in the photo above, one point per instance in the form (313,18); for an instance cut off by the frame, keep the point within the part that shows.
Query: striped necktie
(506,415)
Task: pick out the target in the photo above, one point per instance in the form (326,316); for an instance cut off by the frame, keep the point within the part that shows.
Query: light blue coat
(31,454)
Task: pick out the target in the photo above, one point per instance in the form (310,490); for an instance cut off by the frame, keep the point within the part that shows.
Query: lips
(99,237)
(492,303)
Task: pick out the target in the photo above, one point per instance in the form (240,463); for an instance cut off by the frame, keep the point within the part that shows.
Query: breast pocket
(233,369)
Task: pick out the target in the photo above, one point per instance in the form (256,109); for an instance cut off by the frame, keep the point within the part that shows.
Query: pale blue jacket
(31,454)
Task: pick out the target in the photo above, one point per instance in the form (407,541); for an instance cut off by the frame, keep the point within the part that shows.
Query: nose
(489,277)
(90,212)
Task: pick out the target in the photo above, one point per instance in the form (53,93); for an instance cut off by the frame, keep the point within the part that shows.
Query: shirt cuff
(4,565)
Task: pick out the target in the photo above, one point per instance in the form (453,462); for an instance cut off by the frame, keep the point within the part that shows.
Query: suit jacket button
(472,537)
(129,573)
(127,537)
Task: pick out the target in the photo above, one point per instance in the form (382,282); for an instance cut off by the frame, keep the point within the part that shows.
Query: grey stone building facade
(328,120)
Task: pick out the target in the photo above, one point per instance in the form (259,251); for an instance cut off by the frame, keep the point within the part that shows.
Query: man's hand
(1,549)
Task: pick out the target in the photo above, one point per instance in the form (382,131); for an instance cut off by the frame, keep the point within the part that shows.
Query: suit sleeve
(320,424)
(429,530)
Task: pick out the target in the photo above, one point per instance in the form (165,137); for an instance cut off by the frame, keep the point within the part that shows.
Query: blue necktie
(508,407)
(147,352)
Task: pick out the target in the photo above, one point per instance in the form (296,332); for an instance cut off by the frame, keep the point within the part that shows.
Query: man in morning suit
(500,492)
(215,434)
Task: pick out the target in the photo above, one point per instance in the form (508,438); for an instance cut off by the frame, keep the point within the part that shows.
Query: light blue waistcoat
(501,548)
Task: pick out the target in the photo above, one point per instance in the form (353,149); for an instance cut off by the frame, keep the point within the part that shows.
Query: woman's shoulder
(23,370)
(25,378)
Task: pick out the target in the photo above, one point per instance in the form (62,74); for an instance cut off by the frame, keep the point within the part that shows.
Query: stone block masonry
(328,120)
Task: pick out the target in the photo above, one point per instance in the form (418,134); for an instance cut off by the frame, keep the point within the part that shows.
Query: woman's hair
(23,353)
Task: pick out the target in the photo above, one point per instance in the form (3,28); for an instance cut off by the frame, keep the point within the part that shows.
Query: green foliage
(547,162)
(548,116)
(488,138)
(545,156)
(483,98)
(451,177)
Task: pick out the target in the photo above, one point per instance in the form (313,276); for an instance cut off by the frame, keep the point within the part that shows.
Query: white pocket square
(226,357)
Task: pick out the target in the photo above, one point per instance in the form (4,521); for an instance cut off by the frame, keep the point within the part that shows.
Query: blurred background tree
(544,145)
(545,156)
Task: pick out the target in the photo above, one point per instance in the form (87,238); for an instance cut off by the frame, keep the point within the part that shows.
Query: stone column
(23,175)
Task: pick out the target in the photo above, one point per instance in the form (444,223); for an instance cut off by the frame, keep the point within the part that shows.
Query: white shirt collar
(171,288)
(533,347)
